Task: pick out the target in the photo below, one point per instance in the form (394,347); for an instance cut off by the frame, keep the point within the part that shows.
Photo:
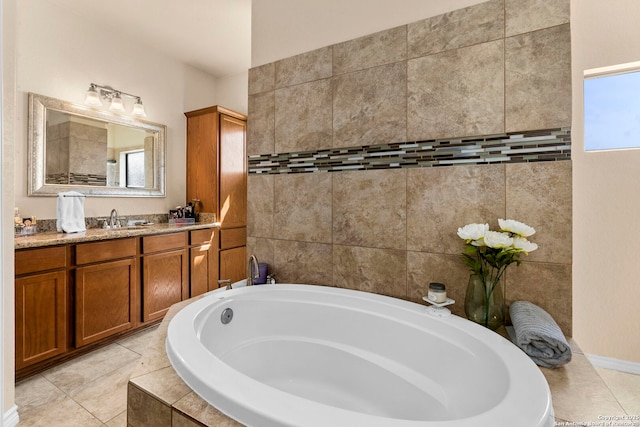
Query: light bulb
(93,97)
(138,108)
(116,103)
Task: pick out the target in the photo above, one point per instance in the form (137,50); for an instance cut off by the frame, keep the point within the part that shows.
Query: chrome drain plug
(226,316)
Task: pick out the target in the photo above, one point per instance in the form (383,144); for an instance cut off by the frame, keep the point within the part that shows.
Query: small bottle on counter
(437,293)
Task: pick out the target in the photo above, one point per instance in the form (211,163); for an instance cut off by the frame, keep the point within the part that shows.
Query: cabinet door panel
(202,161)
(33,260)
(233,264)
(41,317)
(104,294)
(165,282)
(233,172)
(200,274)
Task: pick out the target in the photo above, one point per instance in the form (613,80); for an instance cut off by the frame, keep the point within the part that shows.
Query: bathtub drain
(226,316)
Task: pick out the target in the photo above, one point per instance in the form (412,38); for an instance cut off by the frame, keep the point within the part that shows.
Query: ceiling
(211,35)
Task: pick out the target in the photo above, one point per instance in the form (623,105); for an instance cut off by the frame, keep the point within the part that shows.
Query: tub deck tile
(579,394)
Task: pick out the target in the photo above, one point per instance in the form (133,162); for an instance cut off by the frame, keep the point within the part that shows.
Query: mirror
(94,152)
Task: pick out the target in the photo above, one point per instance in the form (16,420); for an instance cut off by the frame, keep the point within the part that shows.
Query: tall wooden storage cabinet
(217,175)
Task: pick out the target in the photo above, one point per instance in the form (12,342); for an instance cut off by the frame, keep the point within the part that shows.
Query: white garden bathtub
(299,355)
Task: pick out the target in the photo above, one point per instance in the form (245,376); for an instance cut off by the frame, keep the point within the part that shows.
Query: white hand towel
(70,212)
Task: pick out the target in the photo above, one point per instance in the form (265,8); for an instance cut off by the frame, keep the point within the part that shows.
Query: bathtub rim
(253,403)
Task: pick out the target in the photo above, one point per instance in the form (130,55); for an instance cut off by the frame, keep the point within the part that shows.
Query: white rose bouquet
(488,253)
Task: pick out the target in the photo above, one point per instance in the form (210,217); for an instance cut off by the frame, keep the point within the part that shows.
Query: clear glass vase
(483,305)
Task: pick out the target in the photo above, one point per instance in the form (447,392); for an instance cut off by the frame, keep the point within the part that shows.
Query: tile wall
(491,72)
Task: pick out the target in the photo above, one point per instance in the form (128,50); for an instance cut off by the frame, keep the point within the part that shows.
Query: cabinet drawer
(32,260)
(233,238)
(201,237)
(164,242)
(87,253)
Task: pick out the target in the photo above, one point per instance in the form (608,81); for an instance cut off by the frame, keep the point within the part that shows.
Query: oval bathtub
(301,355)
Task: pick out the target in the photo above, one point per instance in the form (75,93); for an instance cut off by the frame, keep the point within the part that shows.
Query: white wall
(6,250)
(606,207)
(283,28)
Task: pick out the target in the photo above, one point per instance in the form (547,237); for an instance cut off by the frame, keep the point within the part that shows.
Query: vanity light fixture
(96,93)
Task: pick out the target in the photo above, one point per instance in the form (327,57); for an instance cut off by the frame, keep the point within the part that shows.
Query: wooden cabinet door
(104,300)
(233,172)
(233,264)
(164,282)
(203,273)
(41,317)
(202,160)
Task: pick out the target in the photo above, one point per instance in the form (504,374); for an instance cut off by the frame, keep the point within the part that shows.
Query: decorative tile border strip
(513,147)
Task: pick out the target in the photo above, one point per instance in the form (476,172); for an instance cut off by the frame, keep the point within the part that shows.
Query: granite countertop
(95,234)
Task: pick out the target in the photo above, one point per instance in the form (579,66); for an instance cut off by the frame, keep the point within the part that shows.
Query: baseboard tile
(10,418)
(614,364)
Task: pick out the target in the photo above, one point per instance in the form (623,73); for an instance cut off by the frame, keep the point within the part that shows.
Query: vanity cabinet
(41,304)
(165,270)
(105,289)
(72,298)
(217,176)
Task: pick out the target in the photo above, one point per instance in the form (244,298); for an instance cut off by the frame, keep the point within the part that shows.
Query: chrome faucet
(114,219)
(253,270)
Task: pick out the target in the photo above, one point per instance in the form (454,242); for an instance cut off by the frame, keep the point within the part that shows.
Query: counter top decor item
(488,254)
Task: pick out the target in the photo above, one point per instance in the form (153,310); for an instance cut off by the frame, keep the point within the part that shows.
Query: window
(612,107)
(132,169)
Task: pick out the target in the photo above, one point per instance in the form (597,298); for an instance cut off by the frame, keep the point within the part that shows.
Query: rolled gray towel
(538,335)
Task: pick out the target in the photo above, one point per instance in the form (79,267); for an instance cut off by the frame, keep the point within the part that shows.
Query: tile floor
(92,390)
(88,391)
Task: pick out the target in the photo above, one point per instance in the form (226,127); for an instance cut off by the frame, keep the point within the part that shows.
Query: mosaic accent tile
(512,147)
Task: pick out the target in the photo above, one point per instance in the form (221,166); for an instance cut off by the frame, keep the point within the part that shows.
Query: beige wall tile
(262,78)
(369,51)
(370,106)
(303,117)
(262,249)
(369,209)
(523,16)
(545,285)
(464,27)
(539,194)
(306,67)
(381,271)
(303,207)
(423,268)
(456,93)
(261,123)
(260,203)
(303,262)
(440,200)
(538,79)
